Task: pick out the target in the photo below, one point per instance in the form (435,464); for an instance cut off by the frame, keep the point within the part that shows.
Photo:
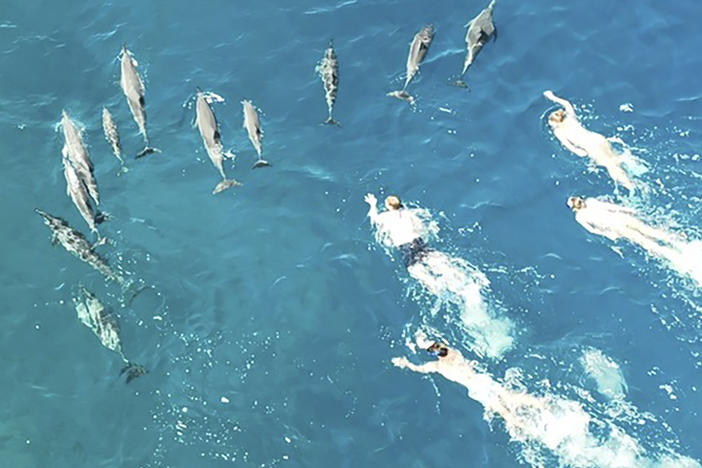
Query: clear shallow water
(275,295)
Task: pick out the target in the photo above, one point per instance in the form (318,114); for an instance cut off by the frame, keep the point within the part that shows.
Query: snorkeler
(576,138)
(399,227)
(615,221)
(619,222)
(563,426)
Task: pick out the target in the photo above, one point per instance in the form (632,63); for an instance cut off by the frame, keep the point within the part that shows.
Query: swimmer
(619,222)
(512,406)
(576,138)
(399,227)
(560,425)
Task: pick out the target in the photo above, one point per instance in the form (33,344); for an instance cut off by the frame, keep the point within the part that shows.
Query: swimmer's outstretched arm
(570,110)
(372,208)
(426,368)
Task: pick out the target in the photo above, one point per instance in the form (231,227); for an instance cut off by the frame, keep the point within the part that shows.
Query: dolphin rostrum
(110,128)
(93,315)
(328,69)
(418,50)
(75,243)
(74,149)
(133,88)
(78,193)
(480,30)
(207,124)
(253,127)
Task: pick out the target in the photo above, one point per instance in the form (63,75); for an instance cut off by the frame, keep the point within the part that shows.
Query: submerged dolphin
(76,244)
(78,193)
(93,315)
(207,124)
(110,128)
(480,30)
(133,88)
(328,70)
(253,127)
(74,149)
(418,50)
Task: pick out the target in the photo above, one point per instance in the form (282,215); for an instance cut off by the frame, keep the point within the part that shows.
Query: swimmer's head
(556,118)
(437,349)
(575,203)
(393,203)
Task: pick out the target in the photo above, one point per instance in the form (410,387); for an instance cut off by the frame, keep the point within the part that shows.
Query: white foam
(605,373)
(456,281)
(686,259)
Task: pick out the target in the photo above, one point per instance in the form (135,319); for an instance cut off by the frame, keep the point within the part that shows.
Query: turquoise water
(270,313)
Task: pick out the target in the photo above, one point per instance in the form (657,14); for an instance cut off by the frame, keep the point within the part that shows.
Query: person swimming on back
(576,138)
(399,227)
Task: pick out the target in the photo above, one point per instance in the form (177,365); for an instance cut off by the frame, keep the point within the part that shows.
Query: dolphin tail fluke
(224,185)
(261,163)
(402,95)
(133,371)
(330,121)
(459,83)
(147,150)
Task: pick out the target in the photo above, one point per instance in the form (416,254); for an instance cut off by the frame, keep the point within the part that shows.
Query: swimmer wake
(442,275)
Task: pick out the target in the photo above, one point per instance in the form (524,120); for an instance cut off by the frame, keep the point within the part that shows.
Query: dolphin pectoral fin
(145,151)
(224,185)
(261,163)
(133,371)
(54,239)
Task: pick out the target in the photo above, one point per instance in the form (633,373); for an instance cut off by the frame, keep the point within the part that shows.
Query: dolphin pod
(328,69)
(91,312)
(418,50)
(133,88)
(209,131)
(480,30)
(253,127)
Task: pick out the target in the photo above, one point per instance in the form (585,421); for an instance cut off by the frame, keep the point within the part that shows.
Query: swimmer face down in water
(568,130)
(399,227)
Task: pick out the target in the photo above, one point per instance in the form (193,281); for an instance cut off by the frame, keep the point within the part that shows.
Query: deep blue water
(275,295)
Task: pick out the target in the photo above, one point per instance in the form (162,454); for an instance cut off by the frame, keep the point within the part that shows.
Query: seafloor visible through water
(267,315)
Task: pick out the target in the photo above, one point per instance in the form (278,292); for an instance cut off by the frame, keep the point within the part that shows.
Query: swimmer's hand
(548,94)
(401,362)
(371,200)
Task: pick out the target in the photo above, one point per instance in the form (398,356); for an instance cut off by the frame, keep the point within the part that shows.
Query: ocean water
(270,313)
